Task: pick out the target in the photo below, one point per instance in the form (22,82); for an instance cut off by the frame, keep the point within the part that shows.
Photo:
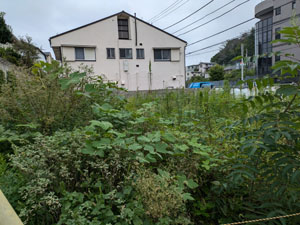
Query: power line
(202,7)
(166,9)
(221,32)
(204,53)
(204,16)
(201,49)
(171,11)
(215,18)
(256,31)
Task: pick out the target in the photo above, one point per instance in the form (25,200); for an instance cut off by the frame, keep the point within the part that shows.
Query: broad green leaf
(161,147)
(169,137)
(105,125)
(191,184)
(182,147)
(149,148)
(135,147)
(287,90)
(187,196)
(143,139)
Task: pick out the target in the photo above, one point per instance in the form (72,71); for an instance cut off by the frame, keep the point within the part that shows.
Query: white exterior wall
(104,34)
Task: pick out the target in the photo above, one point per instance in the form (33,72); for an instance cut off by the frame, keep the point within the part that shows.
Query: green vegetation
(6,35)
(233,48)
(72,151)
(21,52)
(236,74)
(216,73)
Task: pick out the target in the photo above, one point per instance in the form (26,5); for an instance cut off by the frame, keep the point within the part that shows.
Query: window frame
(110,50)
(277,11)
(129,49)
(294,4)
(162,55)
(84,56)
(277,34)
(79,59)
(137,55)
(123,28)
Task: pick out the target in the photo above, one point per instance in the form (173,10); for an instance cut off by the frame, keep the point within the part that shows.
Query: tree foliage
(233,48)
(216,73)
(6,35)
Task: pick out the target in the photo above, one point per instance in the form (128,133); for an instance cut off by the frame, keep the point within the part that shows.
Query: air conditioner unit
(123,82)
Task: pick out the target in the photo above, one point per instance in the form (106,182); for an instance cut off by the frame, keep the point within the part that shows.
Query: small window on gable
(277,11)
(85,54)
(123,29)
(140,53)
(125,53)
(162,54)
(110,53)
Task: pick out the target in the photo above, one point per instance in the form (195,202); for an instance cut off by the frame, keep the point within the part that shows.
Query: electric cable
(202,7)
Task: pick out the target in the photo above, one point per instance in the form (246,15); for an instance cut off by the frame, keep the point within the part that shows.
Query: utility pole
(242,62)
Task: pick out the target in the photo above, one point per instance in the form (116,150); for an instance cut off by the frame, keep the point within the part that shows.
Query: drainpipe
(136,41)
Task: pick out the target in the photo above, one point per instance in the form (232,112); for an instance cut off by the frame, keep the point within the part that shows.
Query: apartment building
(127,50)
(273,15)
(200,69)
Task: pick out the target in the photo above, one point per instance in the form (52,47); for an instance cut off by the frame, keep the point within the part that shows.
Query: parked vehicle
(201,85)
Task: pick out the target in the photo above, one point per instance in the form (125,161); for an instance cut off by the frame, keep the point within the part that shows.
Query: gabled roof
(122,12)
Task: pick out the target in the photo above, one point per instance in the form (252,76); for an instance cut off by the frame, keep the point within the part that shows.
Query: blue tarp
(201,85)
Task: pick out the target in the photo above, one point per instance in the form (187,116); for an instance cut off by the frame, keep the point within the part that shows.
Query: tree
(233,48)
(28,51)
(216,73)
(5,31)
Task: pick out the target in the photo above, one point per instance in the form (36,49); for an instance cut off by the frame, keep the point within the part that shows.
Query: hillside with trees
(18,51)
(233,48)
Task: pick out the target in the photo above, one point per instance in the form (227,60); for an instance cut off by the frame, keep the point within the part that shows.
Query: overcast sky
(41,19)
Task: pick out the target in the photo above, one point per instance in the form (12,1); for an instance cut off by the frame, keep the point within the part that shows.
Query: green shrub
(2,77)
(161,196)
(50,98)
(216,73)
(10,55)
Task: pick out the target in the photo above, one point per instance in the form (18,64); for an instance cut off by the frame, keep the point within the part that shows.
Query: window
(277,58)
(123,28)
(79,53)
(277,11)
(293,4)
(277,34)
(125,53)
(140,54)
(110,53)
(162,54)
(85,54)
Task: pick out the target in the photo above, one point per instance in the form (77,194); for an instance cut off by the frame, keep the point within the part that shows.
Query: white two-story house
(126,50)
